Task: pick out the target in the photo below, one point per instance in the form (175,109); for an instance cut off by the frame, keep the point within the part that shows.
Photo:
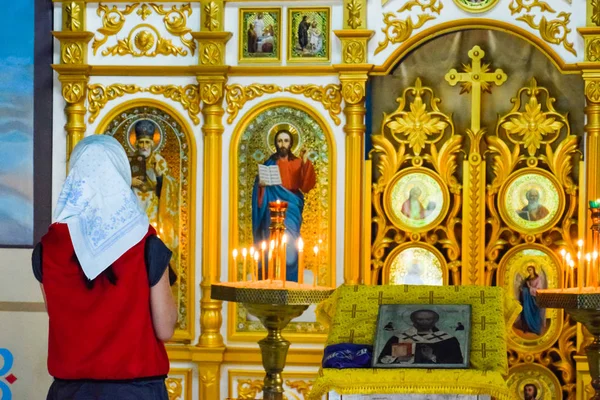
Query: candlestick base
(275,307)
(585,309)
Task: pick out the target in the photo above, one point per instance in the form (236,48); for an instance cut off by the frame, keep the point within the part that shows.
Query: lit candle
(569,261)
(272,265)
(300,261)
(284,259)
(588,269)
(245,273)
(595,268)
(579,266)
(255,271)
(263,246)
(563,254)
(316,267)
(572,267)
(235,254)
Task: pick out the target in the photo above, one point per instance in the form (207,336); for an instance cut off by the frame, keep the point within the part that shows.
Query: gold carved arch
(184,288)
(435,31)
(303,332)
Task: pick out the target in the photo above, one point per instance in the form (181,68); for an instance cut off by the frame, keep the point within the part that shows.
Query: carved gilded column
(211,80)
(73,69)
(353,77)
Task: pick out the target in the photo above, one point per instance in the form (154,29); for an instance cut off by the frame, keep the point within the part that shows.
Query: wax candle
(263,246)
(579,267)
(272,266)
(595,268)
(563,264)
(245,273)
(571,268)
(255,270)
(300,261)
(588,269)
(235,254)
(284,259)
(316,266)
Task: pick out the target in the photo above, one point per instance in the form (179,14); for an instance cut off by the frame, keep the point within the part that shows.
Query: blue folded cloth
(347,355)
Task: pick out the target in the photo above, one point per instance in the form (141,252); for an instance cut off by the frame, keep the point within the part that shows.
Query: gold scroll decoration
(175,21)
(330,96)
(236,96)
(418,135)
(112,22)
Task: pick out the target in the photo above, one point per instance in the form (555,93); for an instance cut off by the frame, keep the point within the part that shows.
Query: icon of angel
(533,318)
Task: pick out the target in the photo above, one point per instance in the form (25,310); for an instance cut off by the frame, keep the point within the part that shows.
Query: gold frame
(385,271)
(247,60)
(288,40)
(502,194)
(474,10)
(180,335)
(530,368)
(232,333)
(232,374)
(188,379)
(545,343)
(387,199)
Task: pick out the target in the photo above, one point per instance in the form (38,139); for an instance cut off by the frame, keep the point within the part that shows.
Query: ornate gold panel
(179,384)
(248,384)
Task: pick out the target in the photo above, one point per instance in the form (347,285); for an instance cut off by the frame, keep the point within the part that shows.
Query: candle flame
(256,256)
(580,243)
(569,257)
(272,244)
(278,202)
(244,252)
(284,238)
(320,241)
(595,255)
(263,245)
(235,253)
(316,250)
(579,255)
(571,263)
(588,257)
(251,251)
(563,252)
(300,245)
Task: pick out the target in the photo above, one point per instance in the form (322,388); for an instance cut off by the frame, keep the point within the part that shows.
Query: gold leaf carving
(302,387)
(144,11)
(596,12)
(211,54)
(389,159)
(187,96)
(474,221)
(397,30)
(112,22)
(560,162)
(516,6)
(444,161)
(554,31)
(73,92)
(354,7)
(74,16)
(147,42)
(208,378)
(175,21)
(593,50)
(211,14)
(592,91)
(417,125)
(353,91)
(174,388)
(355,53)
(330,96)
(434,5)
(532,127)
(504,161)
(211,93)
(237,95)
(72,53)
(99,95)
(248,388)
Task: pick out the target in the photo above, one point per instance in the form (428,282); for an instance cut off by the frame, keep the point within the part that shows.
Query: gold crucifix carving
(475,79)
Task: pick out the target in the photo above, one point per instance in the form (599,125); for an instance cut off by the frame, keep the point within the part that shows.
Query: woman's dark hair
(89,283)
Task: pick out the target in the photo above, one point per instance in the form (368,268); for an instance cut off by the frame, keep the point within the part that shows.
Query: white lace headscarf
(97,204)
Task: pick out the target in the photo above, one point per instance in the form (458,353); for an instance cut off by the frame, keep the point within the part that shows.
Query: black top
(157,257)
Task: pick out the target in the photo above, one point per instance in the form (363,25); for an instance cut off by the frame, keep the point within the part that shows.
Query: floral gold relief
(187,96)
(144,12)
(595,12)
(99,95)
(329,95)
(592,90)
(211,16)
(74,16)
(175,21)
(354,8)
(237,95)
(112,22)
(354,52)
(398,30)
(174,388)
(144,40)
(433,5)
(516,6)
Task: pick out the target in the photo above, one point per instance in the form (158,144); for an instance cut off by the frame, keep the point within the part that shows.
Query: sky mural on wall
(16,124)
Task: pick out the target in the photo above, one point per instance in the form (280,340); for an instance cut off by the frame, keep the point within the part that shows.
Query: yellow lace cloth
(351,312)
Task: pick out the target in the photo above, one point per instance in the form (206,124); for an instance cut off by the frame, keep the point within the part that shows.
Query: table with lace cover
(351,313)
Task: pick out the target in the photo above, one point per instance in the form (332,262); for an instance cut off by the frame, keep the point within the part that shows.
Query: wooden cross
(380,298)
(483,323)
(354,311)
(483,350)
(476,78)
(351,336)
(431,297)
(482,297)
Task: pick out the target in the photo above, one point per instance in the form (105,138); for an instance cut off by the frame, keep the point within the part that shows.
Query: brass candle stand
(275,308)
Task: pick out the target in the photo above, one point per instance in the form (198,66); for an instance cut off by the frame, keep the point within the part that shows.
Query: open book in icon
(269,175)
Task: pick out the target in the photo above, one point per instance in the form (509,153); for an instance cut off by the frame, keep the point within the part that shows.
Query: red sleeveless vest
(103,333)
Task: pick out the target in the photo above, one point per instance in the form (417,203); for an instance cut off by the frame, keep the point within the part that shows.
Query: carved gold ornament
(187,96)
(175,21)
(72,92)
(112,22)
(353,92)
(330,96)
(237,95)
(174,388)
(74,16)
(433,5)
(596,12)
(72,53)
(516,6)
(553,31)
(354,52)
(592,90)
(593,50)
(99,95)
(249,388)
(211,54)
(532,127)
(302,387)
(144,40)
(144,11)
(211,15)
(397,30)
(354,8)
(211,93)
